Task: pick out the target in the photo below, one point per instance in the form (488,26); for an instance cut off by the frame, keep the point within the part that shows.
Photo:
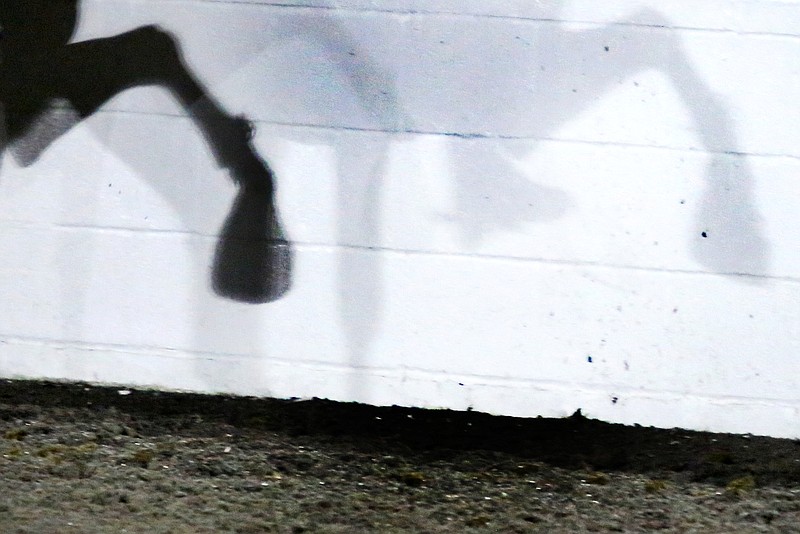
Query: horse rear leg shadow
(728,229)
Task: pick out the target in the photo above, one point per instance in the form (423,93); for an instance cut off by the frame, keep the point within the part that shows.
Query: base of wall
(216,374)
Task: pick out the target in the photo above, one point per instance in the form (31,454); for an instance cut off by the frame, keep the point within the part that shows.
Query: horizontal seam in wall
(119,348)
(310,245)
(571,263)
(522,18)
(475,136)
(616,389)
(403,372)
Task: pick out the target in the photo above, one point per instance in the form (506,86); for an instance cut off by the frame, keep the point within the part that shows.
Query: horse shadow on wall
(553,73)
(560,73)
(545,79)
(567,69)
(48,85)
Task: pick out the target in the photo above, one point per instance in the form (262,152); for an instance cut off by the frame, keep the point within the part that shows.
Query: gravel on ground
(81,458)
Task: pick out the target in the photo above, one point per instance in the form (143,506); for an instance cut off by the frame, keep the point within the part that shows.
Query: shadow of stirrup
(253,259)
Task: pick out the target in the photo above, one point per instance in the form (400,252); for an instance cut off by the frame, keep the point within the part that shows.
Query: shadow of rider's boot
(253,259)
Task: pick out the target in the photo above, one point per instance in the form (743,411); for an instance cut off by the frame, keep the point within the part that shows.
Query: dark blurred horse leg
(91,72)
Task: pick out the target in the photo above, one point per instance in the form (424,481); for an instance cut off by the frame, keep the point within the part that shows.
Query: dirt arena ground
(76,458)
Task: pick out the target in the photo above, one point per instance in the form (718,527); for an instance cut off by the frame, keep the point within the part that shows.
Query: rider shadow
(47,86)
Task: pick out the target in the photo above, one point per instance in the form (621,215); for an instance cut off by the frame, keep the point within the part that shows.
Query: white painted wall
(487,209)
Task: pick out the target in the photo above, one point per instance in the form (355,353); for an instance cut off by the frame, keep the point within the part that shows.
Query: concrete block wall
(520,207)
